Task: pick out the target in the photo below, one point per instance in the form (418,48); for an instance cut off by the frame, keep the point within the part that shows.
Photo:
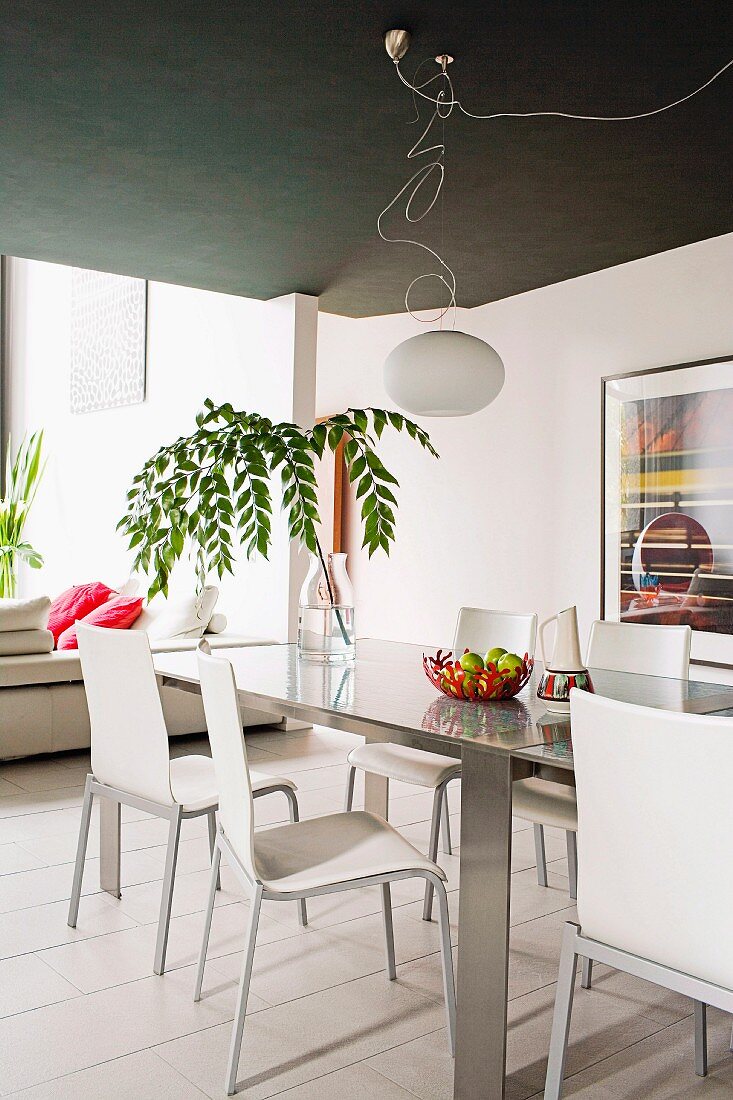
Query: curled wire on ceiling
(432,170)
(444,103)
(417,90)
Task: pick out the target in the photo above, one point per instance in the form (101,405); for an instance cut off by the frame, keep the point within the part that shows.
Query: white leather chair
(618,647)
(478,630)
(319,856)
(655,892)
(130,758)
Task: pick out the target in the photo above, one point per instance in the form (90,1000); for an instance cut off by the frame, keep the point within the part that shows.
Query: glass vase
(326,613)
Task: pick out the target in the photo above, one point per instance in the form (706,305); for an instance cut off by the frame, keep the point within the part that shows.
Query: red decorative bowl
(480,687)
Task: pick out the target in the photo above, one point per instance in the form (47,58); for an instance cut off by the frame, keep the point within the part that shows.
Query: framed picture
(667,502)
(108,340)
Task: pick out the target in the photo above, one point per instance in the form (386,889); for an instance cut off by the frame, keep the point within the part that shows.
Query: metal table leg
(376,794)
(109,846)
(483,953)
(376,787)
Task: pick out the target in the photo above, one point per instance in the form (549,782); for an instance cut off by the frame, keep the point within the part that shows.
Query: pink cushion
(118,614)
(74,604)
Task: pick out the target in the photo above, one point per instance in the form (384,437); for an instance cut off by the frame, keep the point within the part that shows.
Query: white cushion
(546,803)
(424,769)
(40,668)
(25,641)
(182,618)
(217,624)
(129,588)
(334,848)
(24,614)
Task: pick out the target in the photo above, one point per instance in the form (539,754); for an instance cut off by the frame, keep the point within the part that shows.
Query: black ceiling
(248,147)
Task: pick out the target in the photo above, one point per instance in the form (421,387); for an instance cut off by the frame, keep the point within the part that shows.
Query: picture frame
(667,501)
(108,341)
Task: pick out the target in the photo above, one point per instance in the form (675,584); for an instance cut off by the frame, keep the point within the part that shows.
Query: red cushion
(118,614)
(74,604)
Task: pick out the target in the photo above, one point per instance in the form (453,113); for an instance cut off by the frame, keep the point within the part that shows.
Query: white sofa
(43,707)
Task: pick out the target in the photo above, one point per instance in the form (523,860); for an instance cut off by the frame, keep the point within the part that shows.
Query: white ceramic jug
(566,650)
(565,670)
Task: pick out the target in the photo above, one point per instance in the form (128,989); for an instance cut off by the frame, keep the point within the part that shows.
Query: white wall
(510,516)
(258,355)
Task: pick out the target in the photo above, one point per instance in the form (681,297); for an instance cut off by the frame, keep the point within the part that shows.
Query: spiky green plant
(210,490)
(22,477)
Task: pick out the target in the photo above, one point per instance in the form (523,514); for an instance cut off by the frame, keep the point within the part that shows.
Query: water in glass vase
(326,614)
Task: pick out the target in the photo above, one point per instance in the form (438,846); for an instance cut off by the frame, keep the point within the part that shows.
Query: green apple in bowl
(471,662)
(509,664)
(494,655)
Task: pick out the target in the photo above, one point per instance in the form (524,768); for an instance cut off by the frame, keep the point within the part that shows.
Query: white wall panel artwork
(108,338)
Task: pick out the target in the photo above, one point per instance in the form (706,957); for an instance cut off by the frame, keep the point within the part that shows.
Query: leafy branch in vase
(210,491)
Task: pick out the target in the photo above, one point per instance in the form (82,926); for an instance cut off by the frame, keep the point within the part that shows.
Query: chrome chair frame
(574,946)
(260,894)
(174,814)
(439,823)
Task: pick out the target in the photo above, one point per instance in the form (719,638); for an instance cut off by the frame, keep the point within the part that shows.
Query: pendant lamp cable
(432,171)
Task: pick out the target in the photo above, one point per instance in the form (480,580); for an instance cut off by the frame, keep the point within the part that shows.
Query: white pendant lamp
(443,373)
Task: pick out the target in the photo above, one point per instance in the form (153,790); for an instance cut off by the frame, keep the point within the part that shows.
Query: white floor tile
(63,1038)
(26,982)
(45,925)
(358,1082)
(305,1039)
(142,1076)
(14,858)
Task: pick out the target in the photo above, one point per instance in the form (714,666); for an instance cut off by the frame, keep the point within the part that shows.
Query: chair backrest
(647,650)
(129,735)
(480,630)
(224,723)
(655,818)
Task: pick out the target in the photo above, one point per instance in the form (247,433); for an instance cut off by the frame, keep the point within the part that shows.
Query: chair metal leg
(587,975)
(388,930)
(449,985)
(237,1030)
(211,822)
(295,816)
(562,1013)
(81,851)
(572,845)
(539,849)
(445,823)
(427,911)
(350,780)
(701,1039)
(171,857)
(110,854)
(213,887)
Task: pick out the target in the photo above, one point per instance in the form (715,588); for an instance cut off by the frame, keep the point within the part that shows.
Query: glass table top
(387,688)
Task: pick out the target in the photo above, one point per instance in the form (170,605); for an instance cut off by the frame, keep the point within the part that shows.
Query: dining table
(384,695)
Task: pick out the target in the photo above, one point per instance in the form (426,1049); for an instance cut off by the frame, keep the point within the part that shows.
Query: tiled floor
(82,1016)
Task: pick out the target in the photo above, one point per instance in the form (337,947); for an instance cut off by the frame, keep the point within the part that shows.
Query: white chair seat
(322,851)
(423,769)
(193,782)
(545,802)
(194,786)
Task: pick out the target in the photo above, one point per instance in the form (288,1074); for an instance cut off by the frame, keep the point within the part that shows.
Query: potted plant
(210,490)
(22,476)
